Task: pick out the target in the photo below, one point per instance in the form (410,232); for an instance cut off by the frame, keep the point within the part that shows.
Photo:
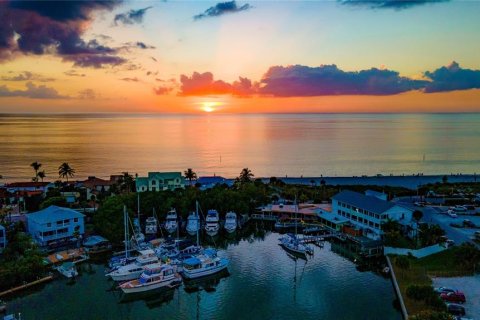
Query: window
(60,223)
(154,189)
(154,182)
(62,231)
(75,219)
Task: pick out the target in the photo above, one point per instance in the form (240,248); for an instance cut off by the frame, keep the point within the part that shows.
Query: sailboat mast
(125,226)
(296,210)
(198,221)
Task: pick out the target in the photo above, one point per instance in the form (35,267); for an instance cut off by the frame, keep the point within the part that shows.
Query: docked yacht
(203,265)
(151,226)
(212,222)
(230,222)
(155,276)
(171,224)
(68,269)
(134,270)
(193,224)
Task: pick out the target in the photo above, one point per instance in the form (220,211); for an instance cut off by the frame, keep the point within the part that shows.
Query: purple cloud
(203,84)
(221,9)
(389,4)
(324,80)
(130,17)
(27,76)
(452,77)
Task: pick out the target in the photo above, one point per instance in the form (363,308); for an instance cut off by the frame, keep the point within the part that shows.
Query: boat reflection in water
(208,283)
(153,298)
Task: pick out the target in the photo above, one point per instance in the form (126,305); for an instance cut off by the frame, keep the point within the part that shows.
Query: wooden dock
(27,285)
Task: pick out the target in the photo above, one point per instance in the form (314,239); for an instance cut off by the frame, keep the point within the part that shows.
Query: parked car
(444,290)
(452,214)
(455,309)
(419,204)
(449,243)
(457,297)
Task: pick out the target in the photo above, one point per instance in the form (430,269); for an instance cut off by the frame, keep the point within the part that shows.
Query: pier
(27,285)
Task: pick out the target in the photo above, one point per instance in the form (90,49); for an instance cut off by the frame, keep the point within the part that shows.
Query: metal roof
(362,201)
(52,214)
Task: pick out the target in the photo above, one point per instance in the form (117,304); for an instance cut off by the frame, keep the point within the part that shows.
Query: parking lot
(470,286)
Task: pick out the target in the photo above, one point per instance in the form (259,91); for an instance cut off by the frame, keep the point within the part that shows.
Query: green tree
(402,262)
(190,175)
(54,201)
(126,183)
(467,256)
(36,166)
(65,171)
(41,175)
(246,176)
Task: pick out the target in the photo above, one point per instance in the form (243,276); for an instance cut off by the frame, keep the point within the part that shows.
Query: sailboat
(118,261)
(138,237)
(171,224)
(291,243)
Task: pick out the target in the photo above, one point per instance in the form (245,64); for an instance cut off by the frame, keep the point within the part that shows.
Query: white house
(369,212)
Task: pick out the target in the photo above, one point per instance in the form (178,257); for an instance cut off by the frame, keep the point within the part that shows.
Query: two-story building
(55,225)
(3,238)
(369,212)
(158,181)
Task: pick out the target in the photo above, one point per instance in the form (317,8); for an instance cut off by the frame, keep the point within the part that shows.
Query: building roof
(375,193)
(164,175)
(211,179)
(332,217)
(53,213)
(369,203)
(93,182)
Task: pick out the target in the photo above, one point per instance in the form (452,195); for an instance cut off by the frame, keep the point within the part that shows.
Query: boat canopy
(67,265)
(210,252)
(147,252)
(193,261)
(94,240)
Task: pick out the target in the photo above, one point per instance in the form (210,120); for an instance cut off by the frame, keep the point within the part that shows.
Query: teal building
(158,181)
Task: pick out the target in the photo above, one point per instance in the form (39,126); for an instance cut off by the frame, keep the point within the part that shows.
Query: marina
(287,288)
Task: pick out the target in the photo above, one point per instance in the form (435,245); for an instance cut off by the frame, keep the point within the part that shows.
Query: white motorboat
(193,224)
(155,276)
(230,222)
(134,270)
(151,226)
(68,269)
(212,222)
(203,265)
(171,224)
(292,244)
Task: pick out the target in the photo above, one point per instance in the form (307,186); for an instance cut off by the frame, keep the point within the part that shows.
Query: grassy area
(442,264)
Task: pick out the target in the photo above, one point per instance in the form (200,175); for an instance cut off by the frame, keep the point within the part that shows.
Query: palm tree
(36,166)
(245,176)
(126,182)
(41,174)
(65,171)
(190,175)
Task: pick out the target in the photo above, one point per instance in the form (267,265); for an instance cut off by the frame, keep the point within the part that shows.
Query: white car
(451,214)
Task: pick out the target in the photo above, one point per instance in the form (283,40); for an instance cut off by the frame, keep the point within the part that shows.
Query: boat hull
(230,229)
(125,276)
(153,286)
(301,253)
(203,273)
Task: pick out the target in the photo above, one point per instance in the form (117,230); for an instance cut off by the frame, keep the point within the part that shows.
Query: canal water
(262,282)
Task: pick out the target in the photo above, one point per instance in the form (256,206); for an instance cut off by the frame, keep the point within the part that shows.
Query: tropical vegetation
(65,171)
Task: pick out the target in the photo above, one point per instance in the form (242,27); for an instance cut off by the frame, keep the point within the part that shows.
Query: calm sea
(270,145)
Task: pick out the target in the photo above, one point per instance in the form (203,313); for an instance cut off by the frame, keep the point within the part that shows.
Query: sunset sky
(244,56)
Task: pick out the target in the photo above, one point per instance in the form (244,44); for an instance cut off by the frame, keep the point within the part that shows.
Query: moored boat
(68,269)
(96,245)
(212,222)
(171,223)
(151,226)
(292,244)
(203,265)
(193,224)
(155,276)
(230,222)
(134,270)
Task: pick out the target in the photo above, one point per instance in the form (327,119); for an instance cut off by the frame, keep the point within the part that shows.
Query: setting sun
(209,106)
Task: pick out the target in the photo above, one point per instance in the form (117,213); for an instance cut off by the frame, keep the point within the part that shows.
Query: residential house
(157,181)
(3,238)
(96,185)
(27,186)
(368,212)
(55,225)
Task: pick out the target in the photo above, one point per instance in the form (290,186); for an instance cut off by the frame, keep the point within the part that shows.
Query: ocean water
(262,282)
(270,145)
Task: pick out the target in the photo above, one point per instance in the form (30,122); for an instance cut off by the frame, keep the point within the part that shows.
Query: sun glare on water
(209,106)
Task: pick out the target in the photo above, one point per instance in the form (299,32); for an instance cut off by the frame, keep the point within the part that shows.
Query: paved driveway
(470,286)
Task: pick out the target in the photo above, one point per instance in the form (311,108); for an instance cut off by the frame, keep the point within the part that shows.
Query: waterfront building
(28,186)
(158,181)
(3,238)
(305,211)
(369,212)
(55,225)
